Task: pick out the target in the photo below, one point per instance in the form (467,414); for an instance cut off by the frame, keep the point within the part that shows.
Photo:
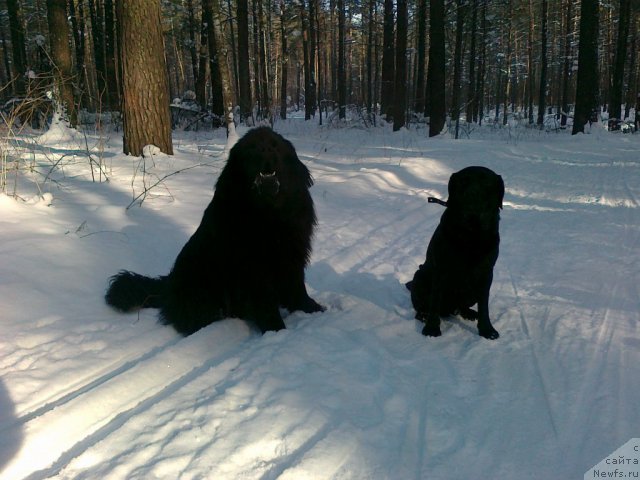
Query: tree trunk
(203,61)
(6,72)
(457,66)
(422,49)
(285,63)
(113,90)
(615,94)
(18,46)
(388,61)
(234,56)
(193,43)
(215,34)
(265,101)
(61,58)
(587,84)
(78,29)
(215,65)
(400,88)
(97,33)
(531,76)
(566,64)
(479,108)
(436,80)
(244,77)
(370,42)
(256,55)
(320,71)
(543,67)
(633,77)
(305,59)
(472,63)
(311,93)
(145,86)
(342,74)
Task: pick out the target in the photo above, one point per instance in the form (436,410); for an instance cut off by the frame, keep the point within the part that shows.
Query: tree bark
(543,67)
(457,66)
(566,64)
(615,94)
(61,58)
(342,73)
(436,80)
(97,33)
(587,84)
(145,86)
(113,90)
(479,107)
(285,63)
(244,76)
(422,49)
(472,63)
(312,91)
(388,61)
(18,46)
(225,73)
(400,88)
(215,65)
(193,43)
(370,42)
(265,101)
(203,63)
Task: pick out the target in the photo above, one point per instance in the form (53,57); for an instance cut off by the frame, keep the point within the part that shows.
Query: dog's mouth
(267,184)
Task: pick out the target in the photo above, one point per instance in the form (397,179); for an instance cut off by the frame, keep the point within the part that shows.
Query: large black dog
(458,271)
(247,257)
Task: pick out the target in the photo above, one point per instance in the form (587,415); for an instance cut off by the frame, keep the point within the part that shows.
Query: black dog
(461,255)
(247,257)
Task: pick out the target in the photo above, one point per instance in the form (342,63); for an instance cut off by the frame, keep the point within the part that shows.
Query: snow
(352,393)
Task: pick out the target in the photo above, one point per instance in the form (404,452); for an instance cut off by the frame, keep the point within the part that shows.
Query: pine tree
(145,85)
(587,86)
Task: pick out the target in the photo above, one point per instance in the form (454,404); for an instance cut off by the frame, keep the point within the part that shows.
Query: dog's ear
(500,191)
(456,188)
(298,168)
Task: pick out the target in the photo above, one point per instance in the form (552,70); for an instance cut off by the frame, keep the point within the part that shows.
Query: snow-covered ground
(355,392)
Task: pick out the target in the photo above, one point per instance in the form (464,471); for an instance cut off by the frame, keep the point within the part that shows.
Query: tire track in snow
(61,434)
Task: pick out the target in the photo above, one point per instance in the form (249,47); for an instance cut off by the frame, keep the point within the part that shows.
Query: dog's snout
(267,183)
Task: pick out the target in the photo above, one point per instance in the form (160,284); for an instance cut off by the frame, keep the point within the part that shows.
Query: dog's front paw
(488,332)
(312,306)
(306,305)
(431,331)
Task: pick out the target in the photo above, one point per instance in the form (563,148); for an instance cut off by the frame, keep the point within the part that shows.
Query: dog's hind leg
(432,315)
(468,313)
(432,326)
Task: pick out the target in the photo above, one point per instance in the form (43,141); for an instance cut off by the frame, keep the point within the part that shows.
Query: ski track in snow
(355,392)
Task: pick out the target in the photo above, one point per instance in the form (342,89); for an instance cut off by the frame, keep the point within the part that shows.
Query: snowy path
(355,392)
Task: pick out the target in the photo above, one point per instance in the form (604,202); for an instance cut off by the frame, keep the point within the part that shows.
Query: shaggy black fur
(247,257)
(458,270)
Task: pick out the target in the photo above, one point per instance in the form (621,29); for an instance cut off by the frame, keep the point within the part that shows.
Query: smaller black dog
(458,271)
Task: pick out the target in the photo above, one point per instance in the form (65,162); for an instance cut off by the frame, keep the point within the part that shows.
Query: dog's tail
(129,291)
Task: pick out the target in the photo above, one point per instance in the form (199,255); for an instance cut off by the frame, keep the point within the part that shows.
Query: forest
(446,63)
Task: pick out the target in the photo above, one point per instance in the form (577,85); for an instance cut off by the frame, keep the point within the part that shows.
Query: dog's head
(475,197)
(265,165)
